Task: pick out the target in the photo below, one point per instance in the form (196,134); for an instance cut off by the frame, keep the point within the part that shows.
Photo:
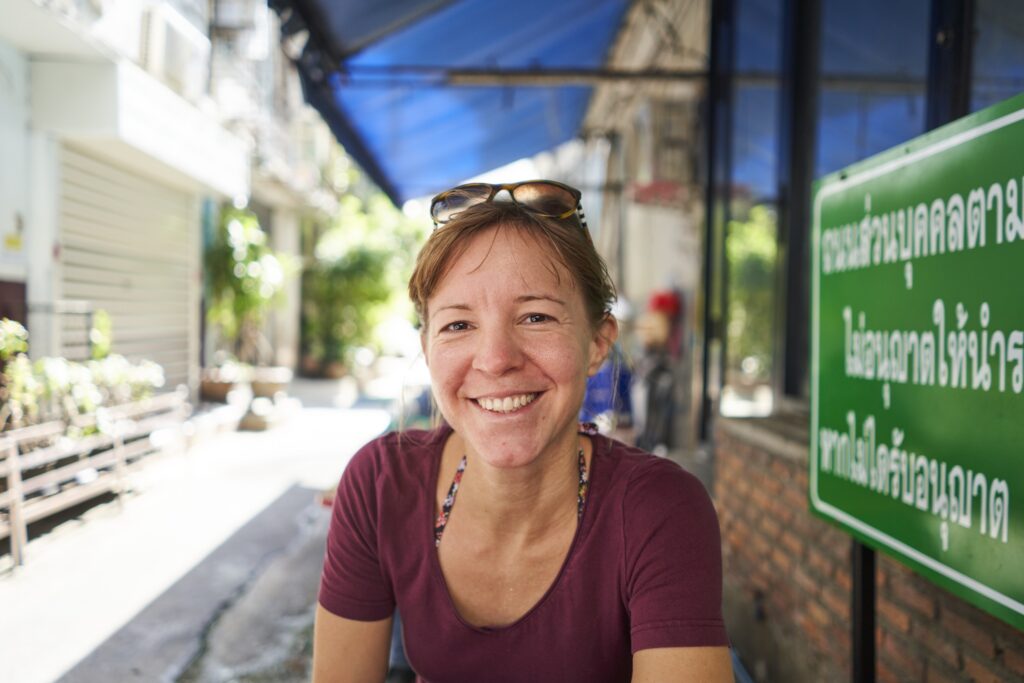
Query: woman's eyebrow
(457,307)
(526,298)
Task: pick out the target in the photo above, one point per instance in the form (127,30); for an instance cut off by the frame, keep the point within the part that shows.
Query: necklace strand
(449,501)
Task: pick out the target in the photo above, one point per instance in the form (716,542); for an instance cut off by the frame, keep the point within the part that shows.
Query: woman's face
(509,348)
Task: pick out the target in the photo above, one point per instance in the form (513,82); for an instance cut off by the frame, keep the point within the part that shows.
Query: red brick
(894,615)
(759,546)
(817,636)
(770,527)
(886,675)
(979,672)
(779,602)
(843,579)
(819,614)
(909,591)
(782,560)
(937,644)
(792,542)
(742,488)
(904,658)
(801,478)
(819,562)
(805,582)
(838,603)
(964,630)
(784,513)
(935,674)
(1014,660)
(737,536)
(794,498)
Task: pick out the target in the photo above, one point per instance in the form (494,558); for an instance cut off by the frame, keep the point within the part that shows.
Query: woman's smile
(508,404)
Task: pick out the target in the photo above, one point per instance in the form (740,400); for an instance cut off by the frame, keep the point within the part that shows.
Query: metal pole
(863,613)
(718,117)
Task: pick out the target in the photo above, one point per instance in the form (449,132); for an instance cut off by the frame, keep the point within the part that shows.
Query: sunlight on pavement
(90,576)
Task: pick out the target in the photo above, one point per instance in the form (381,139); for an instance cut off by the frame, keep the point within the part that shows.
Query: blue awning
(384,74)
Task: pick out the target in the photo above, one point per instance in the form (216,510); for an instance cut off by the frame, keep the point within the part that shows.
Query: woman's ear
(604,337)
(423,344)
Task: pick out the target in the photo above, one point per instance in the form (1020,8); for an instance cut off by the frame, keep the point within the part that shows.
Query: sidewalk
(210,567)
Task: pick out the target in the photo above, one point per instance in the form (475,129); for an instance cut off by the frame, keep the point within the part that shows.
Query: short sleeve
(673,558)
(353,584)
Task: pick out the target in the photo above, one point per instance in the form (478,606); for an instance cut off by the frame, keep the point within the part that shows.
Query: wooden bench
(47,471)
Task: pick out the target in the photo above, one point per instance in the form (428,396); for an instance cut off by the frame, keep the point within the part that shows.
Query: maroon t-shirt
(644,569)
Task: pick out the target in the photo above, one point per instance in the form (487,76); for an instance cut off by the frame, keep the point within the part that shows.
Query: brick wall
(788,583)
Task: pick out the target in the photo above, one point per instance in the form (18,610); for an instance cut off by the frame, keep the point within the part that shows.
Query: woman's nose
(498,351)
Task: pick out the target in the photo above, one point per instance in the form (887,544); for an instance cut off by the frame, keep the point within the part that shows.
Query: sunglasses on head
(543,197)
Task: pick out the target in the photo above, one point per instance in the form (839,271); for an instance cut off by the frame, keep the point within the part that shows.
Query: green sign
(917,365)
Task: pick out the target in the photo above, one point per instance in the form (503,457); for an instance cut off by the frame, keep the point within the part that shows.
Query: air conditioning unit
(175,51)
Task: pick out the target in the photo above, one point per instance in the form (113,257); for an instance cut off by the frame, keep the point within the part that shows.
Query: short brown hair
(569,244)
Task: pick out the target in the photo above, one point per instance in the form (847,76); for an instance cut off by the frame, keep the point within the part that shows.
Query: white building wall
(14,195)
(285,321)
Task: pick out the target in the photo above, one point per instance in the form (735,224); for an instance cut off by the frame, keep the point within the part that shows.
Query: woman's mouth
(507,404)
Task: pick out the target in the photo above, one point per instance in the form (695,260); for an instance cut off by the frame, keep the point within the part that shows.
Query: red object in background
(666,302)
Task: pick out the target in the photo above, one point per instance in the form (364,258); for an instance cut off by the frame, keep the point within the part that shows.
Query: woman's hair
(568,243)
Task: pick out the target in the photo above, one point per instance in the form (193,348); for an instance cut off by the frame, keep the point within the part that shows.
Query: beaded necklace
(449,501)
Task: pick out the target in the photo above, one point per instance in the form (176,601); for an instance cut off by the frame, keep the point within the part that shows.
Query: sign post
(917,358)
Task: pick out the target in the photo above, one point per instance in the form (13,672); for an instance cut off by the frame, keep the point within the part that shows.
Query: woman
(553,555)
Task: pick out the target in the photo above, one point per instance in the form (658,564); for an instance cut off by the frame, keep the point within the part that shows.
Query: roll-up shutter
(130,246)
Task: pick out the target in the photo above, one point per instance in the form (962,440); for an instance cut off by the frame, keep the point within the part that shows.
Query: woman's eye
(457,326)
(538,318)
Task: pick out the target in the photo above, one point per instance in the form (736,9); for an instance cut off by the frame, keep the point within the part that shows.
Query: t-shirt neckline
(598,445)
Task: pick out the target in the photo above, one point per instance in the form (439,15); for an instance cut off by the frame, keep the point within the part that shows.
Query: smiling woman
(568,556)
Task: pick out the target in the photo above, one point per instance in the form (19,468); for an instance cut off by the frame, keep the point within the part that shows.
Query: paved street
(209,571)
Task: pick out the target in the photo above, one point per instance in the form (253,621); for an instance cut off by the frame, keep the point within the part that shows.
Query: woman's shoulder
(640,466)
(398,451)
(654,485)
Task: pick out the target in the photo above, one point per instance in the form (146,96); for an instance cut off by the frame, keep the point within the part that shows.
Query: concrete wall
(788,582)
(14,195)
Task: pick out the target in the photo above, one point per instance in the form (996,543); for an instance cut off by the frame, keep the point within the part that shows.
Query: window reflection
(751,238)
(751,250)
(998,60)
(873,75)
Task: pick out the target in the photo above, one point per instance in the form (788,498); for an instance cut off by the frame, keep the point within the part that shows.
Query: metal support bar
(949,61)
(718,121)
(863,612)
(397,74)
(798,116)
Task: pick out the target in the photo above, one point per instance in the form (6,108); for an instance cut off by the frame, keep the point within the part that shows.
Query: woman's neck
(520,504)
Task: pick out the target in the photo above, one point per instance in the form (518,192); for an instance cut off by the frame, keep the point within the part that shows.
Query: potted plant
(245,281)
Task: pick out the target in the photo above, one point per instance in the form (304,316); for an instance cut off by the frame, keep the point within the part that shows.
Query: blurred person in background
(658,331)
(516,546)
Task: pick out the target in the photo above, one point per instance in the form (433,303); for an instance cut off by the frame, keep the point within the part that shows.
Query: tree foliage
(245,279)
(752,252)
(356,277)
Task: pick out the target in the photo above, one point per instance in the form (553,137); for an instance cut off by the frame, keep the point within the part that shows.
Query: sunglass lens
(447,205)
(545,198)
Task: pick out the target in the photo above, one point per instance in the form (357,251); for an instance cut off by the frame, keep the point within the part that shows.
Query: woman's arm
(682,665)
(349,651)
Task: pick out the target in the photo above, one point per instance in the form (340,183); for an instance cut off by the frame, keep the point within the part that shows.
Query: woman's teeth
(507,404)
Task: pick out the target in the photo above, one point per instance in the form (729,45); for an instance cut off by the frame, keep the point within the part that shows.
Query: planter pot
(262,415)
(335,370)
(310,366)
(215,390)
(268,382)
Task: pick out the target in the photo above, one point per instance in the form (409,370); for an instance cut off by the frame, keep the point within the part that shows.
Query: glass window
(998,60)
(751,236)
(874,65)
